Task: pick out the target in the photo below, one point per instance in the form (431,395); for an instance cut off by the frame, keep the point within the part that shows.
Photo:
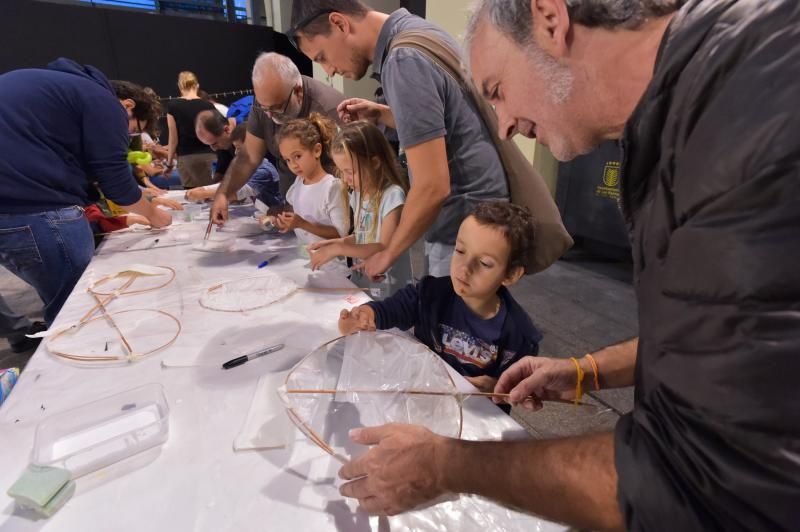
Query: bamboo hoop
(131,356)
(133,276)
(113,324)
(298,289)
(311,434)
(102,305)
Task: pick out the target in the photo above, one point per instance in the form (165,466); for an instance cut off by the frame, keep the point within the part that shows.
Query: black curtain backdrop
(145,48)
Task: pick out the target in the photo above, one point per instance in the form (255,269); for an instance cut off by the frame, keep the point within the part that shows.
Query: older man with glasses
(281,94)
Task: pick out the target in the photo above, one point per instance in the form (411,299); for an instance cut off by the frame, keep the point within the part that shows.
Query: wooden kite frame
(217,286)
(102,305)
(312,435)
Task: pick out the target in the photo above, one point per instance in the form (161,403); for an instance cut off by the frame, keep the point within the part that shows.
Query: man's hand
(219,209)
(354,109)
(168,203)
(159,218)
(377,265)
(531,380)
(483,383)
(401,471)
(199,194)
(358,319)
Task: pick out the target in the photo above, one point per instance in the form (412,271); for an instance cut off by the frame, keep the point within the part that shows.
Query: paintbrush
(208,229)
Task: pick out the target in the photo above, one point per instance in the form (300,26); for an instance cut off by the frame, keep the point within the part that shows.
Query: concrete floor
(24,300)
(580,304)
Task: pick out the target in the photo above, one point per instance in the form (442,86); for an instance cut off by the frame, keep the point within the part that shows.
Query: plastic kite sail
(368,379)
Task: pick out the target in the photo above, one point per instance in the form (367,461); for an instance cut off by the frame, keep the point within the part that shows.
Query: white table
(196,481)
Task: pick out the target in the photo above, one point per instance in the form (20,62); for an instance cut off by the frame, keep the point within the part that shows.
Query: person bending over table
(263,185)
(214,130)
(705,101)
(61,128)
(452,160)
(281,94)
(469,319)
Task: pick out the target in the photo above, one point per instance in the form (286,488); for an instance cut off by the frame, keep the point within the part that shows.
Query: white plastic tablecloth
(196,481)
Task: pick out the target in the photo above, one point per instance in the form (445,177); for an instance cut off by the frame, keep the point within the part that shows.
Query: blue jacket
(424,306)
(265,182)
(61,127)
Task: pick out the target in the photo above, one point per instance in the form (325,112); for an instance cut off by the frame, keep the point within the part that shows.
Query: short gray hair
(281,65)
(513,17)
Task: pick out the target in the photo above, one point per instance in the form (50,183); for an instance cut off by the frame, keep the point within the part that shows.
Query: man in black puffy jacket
(704,96)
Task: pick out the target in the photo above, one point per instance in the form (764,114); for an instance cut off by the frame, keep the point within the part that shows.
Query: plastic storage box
(103,432)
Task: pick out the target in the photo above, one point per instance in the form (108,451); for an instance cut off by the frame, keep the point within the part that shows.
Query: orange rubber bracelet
(578,386)
(595,370)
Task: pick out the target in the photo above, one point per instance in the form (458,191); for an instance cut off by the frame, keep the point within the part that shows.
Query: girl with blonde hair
(369,168)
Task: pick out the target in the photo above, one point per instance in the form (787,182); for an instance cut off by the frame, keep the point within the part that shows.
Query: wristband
(595,370)
(578,386)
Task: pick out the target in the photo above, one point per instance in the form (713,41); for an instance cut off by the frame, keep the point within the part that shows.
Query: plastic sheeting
(369,379)
(247,294)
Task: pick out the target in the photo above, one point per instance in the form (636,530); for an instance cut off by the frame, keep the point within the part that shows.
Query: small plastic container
(103,432)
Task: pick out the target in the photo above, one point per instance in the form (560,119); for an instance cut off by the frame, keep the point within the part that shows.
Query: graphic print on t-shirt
(466,347)
(364,224)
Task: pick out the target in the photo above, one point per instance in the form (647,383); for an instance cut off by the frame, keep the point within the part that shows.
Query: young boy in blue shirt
(468,318)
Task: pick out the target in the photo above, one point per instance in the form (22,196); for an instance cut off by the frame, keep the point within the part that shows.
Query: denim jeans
(48,250)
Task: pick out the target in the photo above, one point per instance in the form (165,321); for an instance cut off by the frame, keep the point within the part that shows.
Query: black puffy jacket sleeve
(711,188)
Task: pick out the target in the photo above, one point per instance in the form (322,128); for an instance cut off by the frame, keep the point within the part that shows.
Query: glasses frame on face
(273,112)
(292,35)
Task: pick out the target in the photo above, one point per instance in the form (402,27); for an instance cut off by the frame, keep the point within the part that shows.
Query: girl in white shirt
(369,168)
(318,210)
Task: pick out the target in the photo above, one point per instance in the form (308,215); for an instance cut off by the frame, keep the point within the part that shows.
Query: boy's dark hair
(517,225)
(310,17)
(239,132)
(212,121)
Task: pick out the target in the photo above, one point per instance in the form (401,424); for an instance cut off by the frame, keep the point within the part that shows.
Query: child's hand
(136,219)
(319,257)
(358,319)
(288,221)
(168,203)
(483,383)
(322,243)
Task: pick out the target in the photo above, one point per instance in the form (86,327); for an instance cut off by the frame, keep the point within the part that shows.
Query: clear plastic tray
(103,432)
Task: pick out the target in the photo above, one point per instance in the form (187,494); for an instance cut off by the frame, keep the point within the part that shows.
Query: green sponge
(42,488)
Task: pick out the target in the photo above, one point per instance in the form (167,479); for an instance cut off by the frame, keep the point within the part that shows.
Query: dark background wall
(145,48)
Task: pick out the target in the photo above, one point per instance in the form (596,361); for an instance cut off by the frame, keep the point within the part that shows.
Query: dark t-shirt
(428,104)
(184,112)
(317,98)
(224,159)
(471,339)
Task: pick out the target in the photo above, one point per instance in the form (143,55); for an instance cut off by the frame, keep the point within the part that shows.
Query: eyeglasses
(292,35)
(274,110)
